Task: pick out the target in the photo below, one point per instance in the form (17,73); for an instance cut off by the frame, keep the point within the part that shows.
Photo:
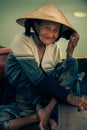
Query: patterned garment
(11,111)
(25,71)
(66,73)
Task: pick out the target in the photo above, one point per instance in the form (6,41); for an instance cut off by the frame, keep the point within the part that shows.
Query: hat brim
(66,30)
(50,13)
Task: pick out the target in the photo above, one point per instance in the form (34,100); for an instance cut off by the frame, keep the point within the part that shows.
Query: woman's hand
(43,115)
(80,102)
(74,38)
(53,124)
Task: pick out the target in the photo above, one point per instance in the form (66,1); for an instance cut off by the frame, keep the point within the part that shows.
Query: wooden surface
(70,119)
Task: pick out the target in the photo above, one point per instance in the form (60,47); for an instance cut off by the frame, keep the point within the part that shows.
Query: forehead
(44,22)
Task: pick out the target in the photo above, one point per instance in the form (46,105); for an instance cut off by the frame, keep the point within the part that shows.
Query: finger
(76,35)
(42,128)
(56,128)
(74,38)
(84,103)
(85,106)
(80,108)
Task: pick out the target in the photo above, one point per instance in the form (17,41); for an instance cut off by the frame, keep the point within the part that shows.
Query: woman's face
(48,32)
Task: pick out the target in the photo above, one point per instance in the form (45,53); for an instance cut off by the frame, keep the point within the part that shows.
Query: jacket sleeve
(24,55)
(40,80)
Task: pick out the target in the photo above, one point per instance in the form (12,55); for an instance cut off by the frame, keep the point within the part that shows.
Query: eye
(47,28)
(56,31)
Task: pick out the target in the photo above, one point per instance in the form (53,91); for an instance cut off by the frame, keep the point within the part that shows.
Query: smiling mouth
(50,39)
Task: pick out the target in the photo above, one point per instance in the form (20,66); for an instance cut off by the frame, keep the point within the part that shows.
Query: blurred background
(74,10)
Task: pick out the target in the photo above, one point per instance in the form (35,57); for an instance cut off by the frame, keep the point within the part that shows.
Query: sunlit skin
(48,32)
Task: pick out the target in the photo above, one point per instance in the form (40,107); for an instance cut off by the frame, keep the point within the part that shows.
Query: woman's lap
(69,66)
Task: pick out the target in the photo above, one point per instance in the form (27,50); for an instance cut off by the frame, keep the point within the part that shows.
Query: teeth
(73,38)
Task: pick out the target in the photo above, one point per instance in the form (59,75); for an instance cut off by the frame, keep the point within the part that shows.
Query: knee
(72,64)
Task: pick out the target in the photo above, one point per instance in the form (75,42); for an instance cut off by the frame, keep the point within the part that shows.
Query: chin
(48,43)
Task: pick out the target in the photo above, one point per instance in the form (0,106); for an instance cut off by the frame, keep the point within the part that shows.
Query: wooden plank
(70,119)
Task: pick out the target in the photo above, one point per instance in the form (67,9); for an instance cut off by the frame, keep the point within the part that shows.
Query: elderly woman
(35,69)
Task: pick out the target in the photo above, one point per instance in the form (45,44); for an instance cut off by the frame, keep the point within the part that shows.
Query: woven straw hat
(48,12)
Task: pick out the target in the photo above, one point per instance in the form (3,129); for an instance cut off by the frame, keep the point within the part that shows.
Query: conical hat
(48,12)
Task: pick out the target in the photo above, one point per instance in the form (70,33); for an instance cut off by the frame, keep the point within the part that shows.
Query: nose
(50,34)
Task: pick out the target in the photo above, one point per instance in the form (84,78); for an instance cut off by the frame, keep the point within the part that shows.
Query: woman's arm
(24,121)
(44,113)
(74,38)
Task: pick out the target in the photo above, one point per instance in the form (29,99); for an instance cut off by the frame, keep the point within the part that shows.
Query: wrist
(73,100)
(51,104)
(69,54)
(69,99)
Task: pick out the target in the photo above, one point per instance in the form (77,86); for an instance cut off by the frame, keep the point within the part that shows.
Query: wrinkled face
(48,32)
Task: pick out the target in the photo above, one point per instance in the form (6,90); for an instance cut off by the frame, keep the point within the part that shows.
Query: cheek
(42,35)
(56,35)
(42,32)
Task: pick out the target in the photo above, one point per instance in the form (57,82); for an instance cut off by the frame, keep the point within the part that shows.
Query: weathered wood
(70,119)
